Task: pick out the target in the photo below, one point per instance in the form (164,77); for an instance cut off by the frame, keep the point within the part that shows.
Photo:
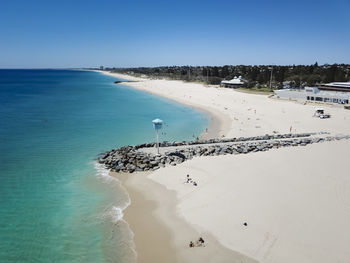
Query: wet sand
(161,235)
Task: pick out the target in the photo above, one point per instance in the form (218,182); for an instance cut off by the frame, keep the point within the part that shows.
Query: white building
(314,94)
(236,82)
(336,86)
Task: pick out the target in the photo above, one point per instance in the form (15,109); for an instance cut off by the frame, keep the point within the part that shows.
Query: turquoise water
(56,203)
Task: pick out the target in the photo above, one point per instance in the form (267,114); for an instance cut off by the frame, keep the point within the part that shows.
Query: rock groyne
(133,159)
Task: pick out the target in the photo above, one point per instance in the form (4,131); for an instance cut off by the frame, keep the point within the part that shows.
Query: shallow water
(56,203)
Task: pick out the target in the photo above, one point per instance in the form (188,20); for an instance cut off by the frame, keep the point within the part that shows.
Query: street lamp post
(271,77)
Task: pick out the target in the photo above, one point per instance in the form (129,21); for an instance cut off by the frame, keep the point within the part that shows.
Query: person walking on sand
(200,242)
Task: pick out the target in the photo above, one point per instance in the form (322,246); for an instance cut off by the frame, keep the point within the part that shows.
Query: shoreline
(160,234)
(160,222)
(218,123)
(246,188)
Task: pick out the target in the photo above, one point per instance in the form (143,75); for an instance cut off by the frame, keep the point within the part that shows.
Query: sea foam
(113,213)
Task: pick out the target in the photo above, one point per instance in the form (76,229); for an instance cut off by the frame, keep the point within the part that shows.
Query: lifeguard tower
(157,124)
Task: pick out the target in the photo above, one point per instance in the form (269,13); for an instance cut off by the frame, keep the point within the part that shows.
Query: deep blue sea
(56,203)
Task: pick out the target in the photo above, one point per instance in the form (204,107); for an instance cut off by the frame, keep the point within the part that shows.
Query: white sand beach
(295,201)
(244,114)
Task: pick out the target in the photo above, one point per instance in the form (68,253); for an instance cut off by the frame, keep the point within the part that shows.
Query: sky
(113,33)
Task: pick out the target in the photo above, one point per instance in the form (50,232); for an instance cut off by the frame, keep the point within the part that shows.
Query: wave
(103,173)
(113,214)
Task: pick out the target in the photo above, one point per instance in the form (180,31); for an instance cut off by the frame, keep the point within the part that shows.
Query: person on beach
(200,242)
(191,244)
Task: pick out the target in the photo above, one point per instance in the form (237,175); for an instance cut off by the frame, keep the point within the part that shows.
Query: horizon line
(129,67)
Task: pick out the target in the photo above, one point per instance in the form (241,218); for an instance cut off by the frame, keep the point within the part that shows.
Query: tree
(330,73)
(215,72)
(260,78)
(339,75)
(279,74)
(224,72)
(312,80)
(204,72)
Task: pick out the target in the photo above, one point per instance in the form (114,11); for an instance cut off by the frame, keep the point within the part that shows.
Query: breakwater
(136,158)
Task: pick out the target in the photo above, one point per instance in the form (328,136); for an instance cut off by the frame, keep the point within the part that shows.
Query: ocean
(56,203)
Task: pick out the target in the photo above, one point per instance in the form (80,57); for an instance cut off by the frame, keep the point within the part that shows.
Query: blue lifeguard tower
(157,124)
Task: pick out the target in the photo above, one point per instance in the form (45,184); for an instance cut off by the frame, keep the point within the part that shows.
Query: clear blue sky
(38,33)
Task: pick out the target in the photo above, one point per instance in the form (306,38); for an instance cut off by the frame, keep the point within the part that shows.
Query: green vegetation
(264,90)
(255,77)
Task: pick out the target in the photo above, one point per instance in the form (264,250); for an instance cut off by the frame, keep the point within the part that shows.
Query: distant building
(314,94)
(236,82)
(336,86)
(287,84)
(101,68)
